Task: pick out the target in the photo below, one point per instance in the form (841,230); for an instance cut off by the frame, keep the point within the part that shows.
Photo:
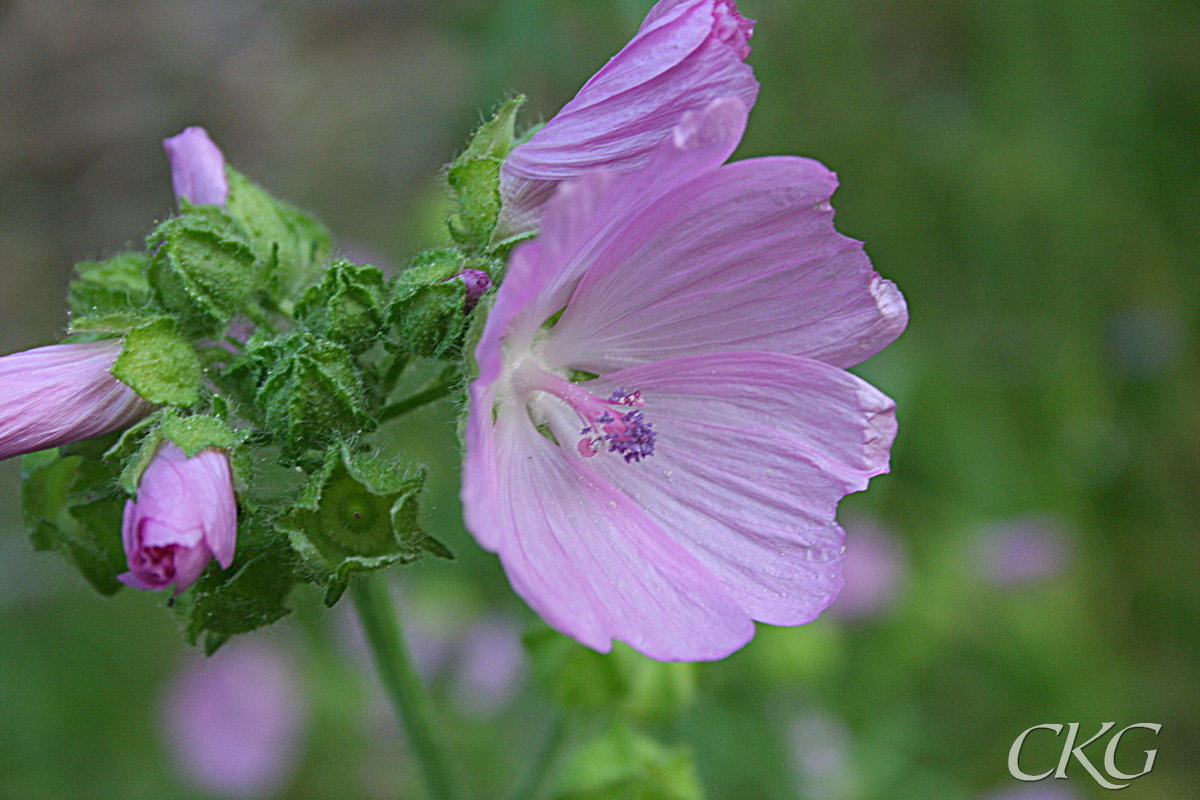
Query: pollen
(628,434)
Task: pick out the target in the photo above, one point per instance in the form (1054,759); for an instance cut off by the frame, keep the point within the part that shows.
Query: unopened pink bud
(197,168)
(55,395)
(477,282)
(185,515)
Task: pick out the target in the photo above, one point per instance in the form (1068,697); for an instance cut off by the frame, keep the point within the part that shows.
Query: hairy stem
(385,634)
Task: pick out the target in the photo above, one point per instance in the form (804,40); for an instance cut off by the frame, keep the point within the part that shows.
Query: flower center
(158,561)
(616,424)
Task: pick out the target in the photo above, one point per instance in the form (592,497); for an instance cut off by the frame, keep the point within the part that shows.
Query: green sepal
(358,513)
(112,286)
(347,306)
(116,322)
(426,314)
(249,595)
(311,396)
(71,502)
(623,680)
(291,245)
(192,433)
(476,186)
(474,178)
(622,764)
(471,339)
(334,592)
(202,269)
(494,138)
(159,364)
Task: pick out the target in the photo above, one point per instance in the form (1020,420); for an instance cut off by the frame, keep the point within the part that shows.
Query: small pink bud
(51,396)
(197,168)
(184,516)
(477,282)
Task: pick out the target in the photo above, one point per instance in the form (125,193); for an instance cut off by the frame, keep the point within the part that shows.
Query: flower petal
(586,213)
(212,486)
(686,54)
(741,258)
(189,564)
(753,453)
(51,396)
(583,555)
(197,167)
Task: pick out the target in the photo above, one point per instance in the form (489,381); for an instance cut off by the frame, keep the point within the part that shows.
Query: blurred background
(1027,171)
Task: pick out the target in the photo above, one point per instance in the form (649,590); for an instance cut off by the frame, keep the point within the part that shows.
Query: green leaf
(624,765)
(474,332)
(346,306)
(476,185)
(193,433)
(117,322)
(475,178)
(312,395)
(112,286)
(160,365)
(293,246)
(494,138)
(73,504)
(622,681)
(426,314)
(203,269)
(249,595)
(358,513)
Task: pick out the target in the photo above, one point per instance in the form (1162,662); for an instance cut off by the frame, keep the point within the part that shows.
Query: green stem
(441,387)
(385,634)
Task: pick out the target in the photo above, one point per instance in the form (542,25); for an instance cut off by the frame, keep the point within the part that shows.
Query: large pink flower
(51,396)
(185,515)
(686,54)
(690,488)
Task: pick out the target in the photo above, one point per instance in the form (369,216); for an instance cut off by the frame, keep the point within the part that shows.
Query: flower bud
(477,282)
(55,395)
(184,516)
(197,168)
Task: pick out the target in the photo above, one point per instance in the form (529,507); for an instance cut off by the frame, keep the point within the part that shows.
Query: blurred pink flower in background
(197,168)
(1023,548)
(686,54)
(235,721)
(875,570)
(184,516)
(818,747)
(1042,791)
(491,665)
(63,393)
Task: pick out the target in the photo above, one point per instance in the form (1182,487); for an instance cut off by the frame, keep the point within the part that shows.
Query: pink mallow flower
(185,516)
(51,396)
(686,54)
(197,168)
(690,488)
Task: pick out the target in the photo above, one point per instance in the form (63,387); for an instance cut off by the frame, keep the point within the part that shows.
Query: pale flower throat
(615,425)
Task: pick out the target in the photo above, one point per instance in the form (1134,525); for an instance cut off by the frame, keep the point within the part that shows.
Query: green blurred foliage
(1025,171)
